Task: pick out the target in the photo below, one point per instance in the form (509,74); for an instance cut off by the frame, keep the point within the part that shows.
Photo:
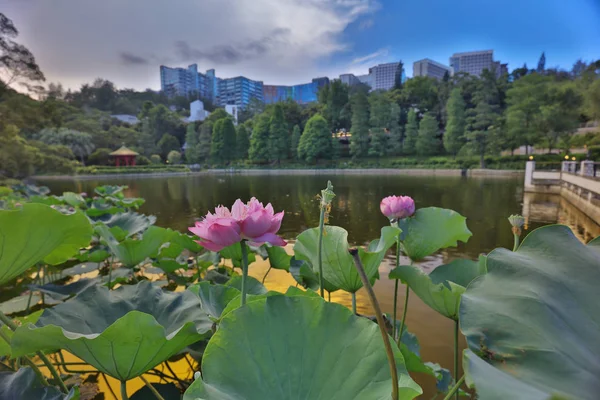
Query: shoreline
(500,173)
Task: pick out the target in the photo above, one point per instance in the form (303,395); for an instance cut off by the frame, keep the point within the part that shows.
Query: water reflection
(486,203)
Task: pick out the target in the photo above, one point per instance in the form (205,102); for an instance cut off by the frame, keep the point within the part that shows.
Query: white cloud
(366,24)
(370,58)
(277,41)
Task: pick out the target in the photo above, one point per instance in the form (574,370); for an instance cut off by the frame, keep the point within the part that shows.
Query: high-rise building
(475,62)
(238,91)
(386,76)
(433,69)
(380,77)
(187,82)
(301,94)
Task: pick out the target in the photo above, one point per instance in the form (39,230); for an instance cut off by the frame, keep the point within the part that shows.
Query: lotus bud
(327,195)
(397,207)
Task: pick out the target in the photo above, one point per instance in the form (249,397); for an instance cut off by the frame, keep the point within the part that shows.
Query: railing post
(529,169)
(587,168)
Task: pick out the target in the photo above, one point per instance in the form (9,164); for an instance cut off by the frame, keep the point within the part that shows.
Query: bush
(142,160)
(174,157)
(155,159)
(100,157)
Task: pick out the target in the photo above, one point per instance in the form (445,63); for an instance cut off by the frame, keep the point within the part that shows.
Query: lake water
(486,202)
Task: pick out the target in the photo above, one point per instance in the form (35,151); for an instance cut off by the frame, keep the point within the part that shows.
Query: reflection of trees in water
(177,201)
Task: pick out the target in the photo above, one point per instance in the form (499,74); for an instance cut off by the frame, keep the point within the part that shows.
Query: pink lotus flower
(258,224)
(396,207)
(217,230)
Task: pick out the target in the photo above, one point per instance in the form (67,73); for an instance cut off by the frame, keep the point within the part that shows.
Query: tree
(421,92)
(396,134)
(162,120)
(155,159)
(315,142)
(278,136)
(541,67)
(592,100)
(378,145)
(412,132)
(17,63)
(296,135)
(480,124)
(558,118)
(223,141)
(146,139)
(191,145)
(204,141)
(454,137)
(259,141)
(381,110)
(174,157)
(17,158)
(166,144)
(336,110)
(427,139)
(359,143)
(242,142)
(80,143)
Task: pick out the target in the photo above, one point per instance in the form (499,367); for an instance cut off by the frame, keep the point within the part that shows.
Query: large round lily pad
(39,233)
(297,348)
(534,317)
(122,333)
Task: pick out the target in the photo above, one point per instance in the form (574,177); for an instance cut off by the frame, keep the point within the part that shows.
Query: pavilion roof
(124,151)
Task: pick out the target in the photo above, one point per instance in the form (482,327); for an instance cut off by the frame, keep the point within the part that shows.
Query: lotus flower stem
(396,288)
(517,239)
(27,361)
(152,389)
(455,389)
(124,390)
(8,322)
(354,302)
(244,270)
(265,277)
(406,295)
(380,321)
(456,352)
(320,251)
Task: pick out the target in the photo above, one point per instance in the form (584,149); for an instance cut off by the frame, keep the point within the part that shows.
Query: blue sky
(292,41)
(517,30)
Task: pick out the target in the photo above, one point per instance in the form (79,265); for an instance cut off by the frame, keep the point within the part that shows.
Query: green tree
(427,139)
(396,134)
(592,100)
(191,145)
(359,142)
(315,142)
(242,142)
(421,92)
(454,137)
(278,136)
(204,141)
(17,63)
(334,98)
(80,143)
(412,132)
(296,135)
(218,114)
(17,158)
(168,143)
(378,145)
(558,119)
(380,110)
(155,159)
(480,128)
(223,141)
(259,141)
(146,139)
(174,157)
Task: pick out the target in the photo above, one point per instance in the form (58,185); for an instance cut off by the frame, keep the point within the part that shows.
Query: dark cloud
(132,59)
(234,53)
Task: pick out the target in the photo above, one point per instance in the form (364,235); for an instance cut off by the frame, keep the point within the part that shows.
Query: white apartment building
(430,68)
(385,76)
(473,62)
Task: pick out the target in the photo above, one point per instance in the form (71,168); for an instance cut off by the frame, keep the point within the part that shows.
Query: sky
(284,42)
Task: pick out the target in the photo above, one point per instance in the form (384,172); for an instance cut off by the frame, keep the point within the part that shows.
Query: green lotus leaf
(431,229)
(110,190)
(338,265)
(254,286)
(130,222)
(278,258)
(234,253)
(534,317)
(441,290)
(39,233)
(303,273)
(73,199)
(294,291)
(186,242)
(93,255)
(123,333)
(132,252)
(297,348)
(24,385)
(237,301)
(5,347)
(214,298)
